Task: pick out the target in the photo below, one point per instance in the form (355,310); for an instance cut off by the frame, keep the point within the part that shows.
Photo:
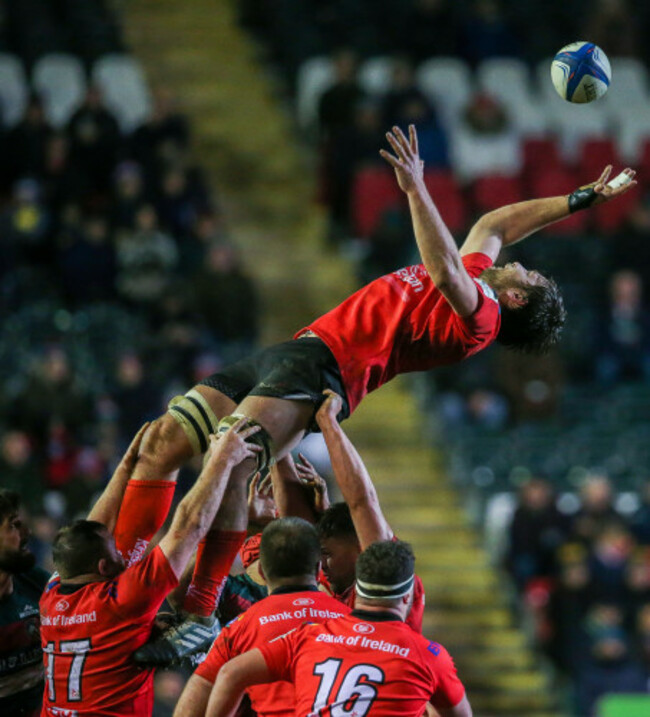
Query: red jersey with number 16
(89,633)
(275,615)
(364,663)
(400,323)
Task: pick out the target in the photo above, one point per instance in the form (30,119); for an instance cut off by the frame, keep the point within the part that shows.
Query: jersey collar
(372,616)
(283,589)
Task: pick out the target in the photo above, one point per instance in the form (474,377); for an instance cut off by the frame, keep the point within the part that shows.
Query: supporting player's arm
(352,476)
(198,508)
(194,700)
(289,491)
(462,709)
(233,678)
(108,504)
(514,222)
(437,247)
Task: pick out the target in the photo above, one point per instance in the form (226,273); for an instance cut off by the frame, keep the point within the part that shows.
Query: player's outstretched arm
(194,699)
(108,504)
(233,678)
(351,476)
(289,492)
(437,247)
(197,510)
(514,222)
(462,709)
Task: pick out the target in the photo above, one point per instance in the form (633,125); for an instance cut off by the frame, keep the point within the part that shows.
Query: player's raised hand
(261,505)
(130,458)
(609,189)
(232,446)
(313,481)
(409,168)
(330,408)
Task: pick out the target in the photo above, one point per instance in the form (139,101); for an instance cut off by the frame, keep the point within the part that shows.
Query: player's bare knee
(164,444)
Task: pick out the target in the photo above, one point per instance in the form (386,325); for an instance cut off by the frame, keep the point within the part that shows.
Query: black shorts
(298,370)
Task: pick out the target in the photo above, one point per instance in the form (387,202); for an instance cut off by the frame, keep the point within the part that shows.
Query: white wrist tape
(619,181)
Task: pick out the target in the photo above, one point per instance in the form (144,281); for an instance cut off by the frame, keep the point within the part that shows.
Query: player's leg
(167,444)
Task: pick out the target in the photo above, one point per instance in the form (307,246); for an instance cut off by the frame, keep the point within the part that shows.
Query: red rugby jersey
(88,634)
(414,619)
(283,610)
(364,663)
(400,323)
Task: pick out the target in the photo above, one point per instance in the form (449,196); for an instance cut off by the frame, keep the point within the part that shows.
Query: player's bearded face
(14,556)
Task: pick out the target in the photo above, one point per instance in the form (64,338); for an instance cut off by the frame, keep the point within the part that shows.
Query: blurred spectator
(94,142)
(87,262)
(609,562)
(50,398)
(406,104)
(128,195)
(166,126)
(135,395)
(485,141)
(27,143)
(623,341)
(207,229)
(640,521)
(223,282)
(430,30)
(536,533)
(19,469)
(486,33)
(596,510)
(25,225)
(168,685)
(609,667)
(88,473)
(611,24)
(146,259)
(388,246)
(177,204)
(62,183)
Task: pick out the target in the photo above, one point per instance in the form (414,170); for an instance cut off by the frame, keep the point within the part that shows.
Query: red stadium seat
(495,190)
(448,198)
(539,154)
(612,217)
(374,190)
(551,182)
(643,167)
(595,155)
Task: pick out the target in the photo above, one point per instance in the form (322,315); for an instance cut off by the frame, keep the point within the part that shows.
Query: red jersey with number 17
(275,615)
(400,323)
(364,663)
(89,633)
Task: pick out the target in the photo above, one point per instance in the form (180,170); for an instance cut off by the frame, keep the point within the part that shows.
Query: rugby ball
(581,72)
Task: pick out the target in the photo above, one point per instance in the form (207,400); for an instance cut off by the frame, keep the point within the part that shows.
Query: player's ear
(103,568)
(261,570)
(515,297)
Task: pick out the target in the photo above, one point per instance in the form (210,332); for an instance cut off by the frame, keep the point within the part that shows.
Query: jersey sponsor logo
(303,601)
(65,620)
(28,611)
(409,275)
(62,606)
(302,613)
(487,290)
(434,648)
(363,628)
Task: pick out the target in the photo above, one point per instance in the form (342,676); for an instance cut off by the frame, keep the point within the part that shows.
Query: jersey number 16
(357,691)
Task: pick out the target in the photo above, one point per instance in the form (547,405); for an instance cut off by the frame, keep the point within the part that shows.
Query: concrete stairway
(243,138)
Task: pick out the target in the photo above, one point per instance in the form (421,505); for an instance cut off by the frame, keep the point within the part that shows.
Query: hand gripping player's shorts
(298,370)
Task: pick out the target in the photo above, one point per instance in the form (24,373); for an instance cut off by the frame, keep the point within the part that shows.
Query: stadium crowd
(84,363)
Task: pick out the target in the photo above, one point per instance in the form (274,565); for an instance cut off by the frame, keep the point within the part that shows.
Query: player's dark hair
(386,562)
(535,327)
(289,548)
(9,503)
(336,522)
(78,547)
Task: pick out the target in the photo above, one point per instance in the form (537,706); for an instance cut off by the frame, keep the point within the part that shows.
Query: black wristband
(582,198)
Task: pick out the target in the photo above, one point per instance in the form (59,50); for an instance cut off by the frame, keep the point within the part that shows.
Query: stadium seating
(314,77)
(61,82)
(493,191)
(448,197)
(448,82)
(375,75)
(374,190)
(122,81)
(14,89)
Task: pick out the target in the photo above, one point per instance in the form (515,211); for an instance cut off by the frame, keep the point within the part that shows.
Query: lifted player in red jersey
(289,562)
(366,663)
(95,613)
(439,312)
